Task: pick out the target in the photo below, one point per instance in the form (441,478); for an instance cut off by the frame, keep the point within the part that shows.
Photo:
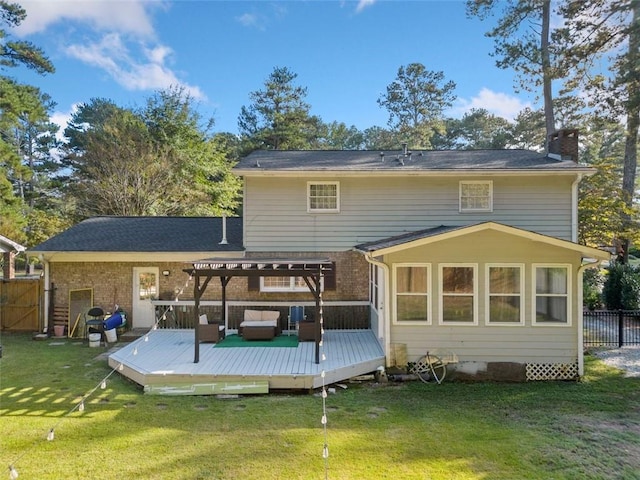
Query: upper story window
(458,294)
(413,292)
(476,196)
(551,295)
(323,197)
(505,305)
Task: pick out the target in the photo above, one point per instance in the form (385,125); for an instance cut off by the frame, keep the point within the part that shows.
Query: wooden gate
(20,305)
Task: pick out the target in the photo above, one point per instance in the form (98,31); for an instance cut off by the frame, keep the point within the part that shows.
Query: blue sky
(345,53)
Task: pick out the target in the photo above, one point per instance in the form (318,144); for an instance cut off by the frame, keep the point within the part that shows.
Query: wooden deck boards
(168,356)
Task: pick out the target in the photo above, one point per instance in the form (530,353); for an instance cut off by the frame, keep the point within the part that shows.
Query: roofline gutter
(401,172)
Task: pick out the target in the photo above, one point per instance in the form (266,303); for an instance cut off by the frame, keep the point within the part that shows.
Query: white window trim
(475,210)
(292,286)
(488,295)
(395,294)
(534,295)
(441,267)
(323,210)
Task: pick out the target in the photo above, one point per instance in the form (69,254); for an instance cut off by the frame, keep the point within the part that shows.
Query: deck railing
(336,315)
(611,328)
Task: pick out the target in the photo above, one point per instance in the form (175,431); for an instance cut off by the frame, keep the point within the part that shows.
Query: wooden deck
(165,361)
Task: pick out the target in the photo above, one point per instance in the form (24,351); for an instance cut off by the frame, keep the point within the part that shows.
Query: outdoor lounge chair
(210,332)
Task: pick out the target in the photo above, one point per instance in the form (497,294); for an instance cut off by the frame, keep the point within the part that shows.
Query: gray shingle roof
(371,161)
(404,238)
(146,234)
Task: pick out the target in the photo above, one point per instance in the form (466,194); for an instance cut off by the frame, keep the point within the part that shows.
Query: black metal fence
(611,328)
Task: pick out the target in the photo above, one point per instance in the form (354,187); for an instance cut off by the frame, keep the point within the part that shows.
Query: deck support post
(198,290)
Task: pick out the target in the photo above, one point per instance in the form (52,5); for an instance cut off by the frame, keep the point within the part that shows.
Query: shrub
(592,288)
(622,287)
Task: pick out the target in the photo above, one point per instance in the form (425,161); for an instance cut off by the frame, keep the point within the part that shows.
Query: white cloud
(61,119)
(150,72)
(500,104)
(130,16)
(362,4)
(248,19)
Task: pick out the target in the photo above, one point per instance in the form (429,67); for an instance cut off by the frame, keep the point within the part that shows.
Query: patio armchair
(210,332)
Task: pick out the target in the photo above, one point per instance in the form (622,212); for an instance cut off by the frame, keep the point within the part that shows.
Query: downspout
(581,315)
(574,208)
(385,308)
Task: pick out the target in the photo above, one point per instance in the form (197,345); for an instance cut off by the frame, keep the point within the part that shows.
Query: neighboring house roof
(7,245)
(422,237)
(147,234)
(262,162)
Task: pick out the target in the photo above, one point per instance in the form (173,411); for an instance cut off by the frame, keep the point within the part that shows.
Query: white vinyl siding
(551,301)
(476,196)
(412,297)
(276,218)
(323,197)
(505,294)
(458,294)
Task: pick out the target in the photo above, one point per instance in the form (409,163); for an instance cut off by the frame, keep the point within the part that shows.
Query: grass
(555,430)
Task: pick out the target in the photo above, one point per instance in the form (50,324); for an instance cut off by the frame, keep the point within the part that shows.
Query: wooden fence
(20,305)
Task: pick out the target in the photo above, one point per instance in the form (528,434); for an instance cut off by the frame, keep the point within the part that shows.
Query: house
(129,261)
(468,252)
(9,248)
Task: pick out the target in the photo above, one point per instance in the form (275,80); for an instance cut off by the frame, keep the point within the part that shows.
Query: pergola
(311,270)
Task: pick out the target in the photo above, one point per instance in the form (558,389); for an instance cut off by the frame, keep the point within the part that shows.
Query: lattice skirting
(552,371)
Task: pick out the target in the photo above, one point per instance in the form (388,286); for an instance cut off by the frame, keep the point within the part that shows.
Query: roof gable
(441,233)
(147,234)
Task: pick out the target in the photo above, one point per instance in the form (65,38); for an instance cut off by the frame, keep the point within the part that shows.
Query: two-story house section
(471,252)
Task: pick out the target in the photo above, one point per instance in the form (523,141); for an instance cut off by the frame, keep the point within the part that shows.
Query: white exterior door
(145,288)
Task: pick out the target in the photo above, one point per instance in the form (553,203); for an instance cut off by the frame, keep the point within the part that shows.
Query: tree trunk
(547,76)
(633,118)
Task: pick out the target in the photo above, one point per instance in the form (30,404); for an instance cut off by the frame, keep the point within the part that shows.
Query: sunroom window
(458,302)
(551,295)
(412,293)
(505,289)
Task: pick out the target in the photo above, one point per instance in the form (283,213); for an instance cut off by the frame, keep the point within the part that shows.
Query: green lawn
(566,430)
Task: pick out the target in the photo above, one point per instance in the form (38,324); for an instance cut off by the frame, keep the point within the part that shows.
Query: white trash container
(94,339)
(112,335)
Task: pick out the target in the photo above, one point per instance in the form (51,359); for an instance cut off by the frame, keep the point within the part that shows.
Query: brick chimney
(564,142)
(8,265)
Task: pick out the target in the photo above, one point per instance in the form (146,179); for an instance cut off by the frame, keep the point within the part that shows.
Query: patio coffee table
(258,333)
